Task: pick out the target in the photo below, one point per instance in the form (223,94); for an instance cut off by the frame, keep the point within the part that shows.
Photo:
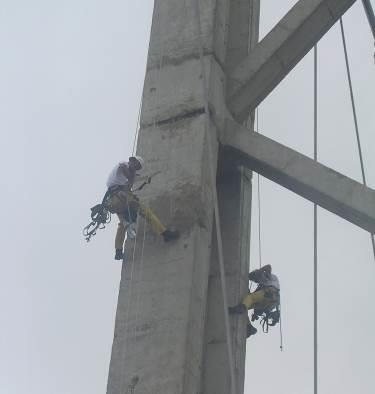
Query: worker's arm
(255,276)
(123,167)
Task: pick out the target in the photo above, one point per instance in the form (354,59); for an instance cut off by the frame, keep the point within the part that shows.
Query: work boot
(237,310)
(170,235)
(250,330)
(119,254)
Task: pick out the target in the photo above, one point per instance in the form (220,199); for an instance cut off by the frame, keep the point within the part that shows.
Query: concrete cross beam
(302,175)
(276,55)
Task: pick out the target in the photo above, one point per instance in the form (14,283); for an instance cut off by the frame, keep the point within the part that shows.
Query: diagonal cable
(355,117)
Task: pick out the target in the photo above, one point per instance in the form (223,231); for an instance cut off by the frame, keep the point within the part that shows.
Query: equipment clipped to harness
(268,318)
(100,216)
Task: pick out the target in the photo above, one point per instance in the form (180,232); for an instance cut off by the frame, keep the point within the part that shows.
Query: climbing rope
(259,206)
(138,296)
(216,204)
(124,340)
(355,118)
(315,224)
(136,132)
(135,379)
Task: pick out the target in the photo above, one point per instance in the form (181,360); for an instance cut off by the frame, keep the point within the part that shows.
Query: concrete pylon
(169,332)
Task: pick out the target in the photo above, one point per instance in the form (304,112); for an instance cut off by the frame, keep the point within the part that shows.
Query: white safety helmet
(139,160)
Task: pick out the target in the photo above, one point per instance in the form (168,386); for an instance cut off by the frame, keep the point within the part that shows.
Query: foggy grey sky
(71,76)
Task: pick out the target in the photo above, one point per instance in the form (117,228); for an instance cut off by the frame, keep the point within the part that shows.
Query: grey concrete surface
(276,55)
(234,193)
(297,172)
(159,329)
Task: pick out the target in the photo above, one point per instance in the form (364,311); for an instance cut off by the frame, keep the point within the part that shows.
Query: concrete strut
(323,186)
(277,54)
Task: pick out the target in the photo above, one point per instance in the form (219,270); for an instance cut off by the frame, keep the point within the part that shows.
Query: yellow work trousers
(266,298)
(123,203)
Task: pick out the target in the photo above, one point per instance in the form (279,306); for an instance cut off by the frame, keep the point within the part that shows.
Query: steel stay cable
(216,204)
(348,72)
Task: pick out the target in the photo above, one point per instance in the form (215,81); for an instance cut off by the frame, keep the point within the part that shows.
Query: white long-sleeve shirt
(118,178)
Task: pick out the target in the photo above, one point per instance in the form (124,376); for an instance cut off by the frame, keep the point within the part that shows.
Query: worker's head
(267,268)
(266,271)
(136,162)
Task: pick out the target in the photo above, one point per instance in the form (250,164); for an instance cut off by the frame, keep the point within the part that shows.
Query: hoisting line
(315,225)
(216,204)
(355,118)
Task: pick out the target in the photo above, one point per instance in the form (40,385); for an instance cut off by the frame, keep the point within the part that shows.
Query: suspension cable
(355,117)
(216,204)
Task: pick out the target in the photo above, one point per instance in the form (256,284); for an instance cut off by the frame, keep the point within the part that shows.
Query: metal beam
(276,55)
(300,174)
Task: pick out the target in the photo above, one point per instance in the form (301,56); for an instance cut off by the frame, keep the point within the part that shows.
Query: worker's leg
(120,234)
(252,299)
(157,226)
(152,219)
(120,238)
(250,329)
(248,302)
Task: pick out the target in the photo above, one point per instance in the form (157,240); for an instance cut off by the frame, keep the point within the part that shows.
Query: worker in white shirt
(126,205)
(265,298)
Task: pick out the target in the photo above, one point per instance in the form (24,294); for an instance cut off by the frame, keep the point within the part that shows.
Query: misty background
(71,77)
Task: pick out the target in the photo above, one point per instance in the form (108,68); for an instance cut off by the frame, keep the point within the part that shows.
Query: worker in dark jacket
(265,298)
(126,205)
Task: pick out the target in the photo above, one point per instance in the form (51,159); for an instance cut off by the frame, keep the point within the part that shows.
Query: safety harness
(101,213)
(268,318)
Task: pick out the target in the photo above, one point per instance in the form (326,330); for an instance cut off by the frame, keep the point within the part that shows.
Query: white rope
(135,139)
(124,341)
(315,225)
(355,118)
(216,204)
(259,202)
(138,295)
(158,79)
